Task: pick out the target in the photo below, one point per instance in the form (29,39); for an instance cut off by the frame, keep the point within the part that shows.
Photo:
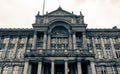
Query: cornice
(103,30)
(16,29)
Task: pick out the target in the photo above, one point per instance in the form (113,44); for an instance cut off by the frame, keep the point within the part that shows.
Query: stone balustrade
(58,53)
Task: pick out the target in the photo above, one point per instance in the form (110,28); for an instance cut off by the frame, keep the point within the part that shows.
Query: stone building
(60,43)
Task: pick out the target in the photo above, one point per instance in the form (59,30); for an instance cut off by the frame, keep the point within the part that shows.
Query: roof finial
(38,13)
(115,27)
(59,8)
(81,13)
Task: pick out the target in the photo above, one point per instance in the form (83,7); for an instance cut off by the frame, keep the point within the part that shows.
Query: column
(79,67)
(118,39)
(66,67)
(84,40)
(29,69)
(44,41)
(74,40)
(7,43)
(15,48)
(48,44)
(52,67)
(34,40)
(70,41)
(92,64)
(25,71)
(113,48)
(39,68)
(103,47)
(94,47)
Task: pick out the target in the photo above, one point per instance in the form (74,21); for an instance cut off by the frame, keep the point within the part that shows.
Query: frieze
(102,34)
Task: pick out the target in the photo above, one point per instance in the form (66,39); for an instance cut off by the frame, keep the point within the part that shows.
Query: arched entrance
(59,38)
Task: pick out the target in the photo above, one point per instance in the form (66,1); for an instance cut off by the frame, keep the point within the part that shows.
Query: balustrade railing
(58,52)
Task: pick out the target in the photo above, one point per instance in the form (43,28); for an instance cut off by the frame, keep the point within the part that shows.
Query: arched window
(59,38)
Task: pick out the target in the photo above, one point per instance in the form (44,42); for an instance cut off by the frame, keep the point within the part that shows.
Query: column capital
(27,60)
(73,32)
(45,32)
(66,60)
(40,59)
(84,32)
(35,32)
(52,60)
(78,60)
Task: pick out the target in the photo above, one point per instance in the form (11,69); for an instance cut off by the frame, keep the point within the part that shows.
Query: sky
(98,13)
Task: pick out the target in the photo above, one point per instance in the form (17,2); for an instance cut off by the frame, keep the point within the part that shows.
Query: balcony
(59,53)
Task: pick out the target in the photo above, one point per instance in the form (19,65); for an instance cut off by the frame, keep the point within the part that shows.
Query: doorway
(84,66)
(59,69)
(34,67)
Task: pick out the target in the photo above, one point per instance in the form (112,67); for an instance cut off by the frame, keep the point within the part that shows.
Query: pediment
(60,12)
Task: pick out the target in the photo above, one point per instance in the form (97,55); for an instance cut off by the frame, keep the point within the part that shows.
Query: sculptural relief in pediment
(59,13)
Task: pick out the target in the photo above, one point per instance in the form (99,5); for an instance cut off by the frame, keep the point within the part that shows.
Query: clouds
(98,13)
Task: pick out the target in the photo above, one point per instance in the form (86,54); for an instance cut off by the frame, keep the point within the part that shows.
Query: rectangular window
(2,45)
(106,40)
(39,45)
(109,70)
(30,39)
(7,70)
(109,54)
(79,44)
(28,46)
(99,70)
(22,39)
(89,46)
(13,39)
(11,46)
(20,46)
(20,54)
(107,46)
(118,53)
(118,69)
(117,46)
(98,46)
(17,70)
(99,54)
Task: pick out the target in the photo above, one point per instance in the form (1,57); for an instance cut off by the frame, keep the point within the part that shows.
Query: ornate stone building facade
(60,43)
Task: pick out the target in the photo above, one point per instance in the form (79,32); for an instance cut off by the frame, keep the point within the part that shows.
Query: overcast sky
(98,13)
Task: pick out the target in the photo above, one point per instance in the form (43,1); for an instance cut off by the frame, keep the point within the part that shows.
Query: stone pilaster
(39,68)
(34,40)
(119,39)
(74,40)
(29,69)
(103,47)
(16,44)
(70,41)
(66,67)
(48,38)
(113,48)
(6,47)
(79,67)
(44,40)
(26,66)
(94,47)
(92,64)
(84,40)
(52,66)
